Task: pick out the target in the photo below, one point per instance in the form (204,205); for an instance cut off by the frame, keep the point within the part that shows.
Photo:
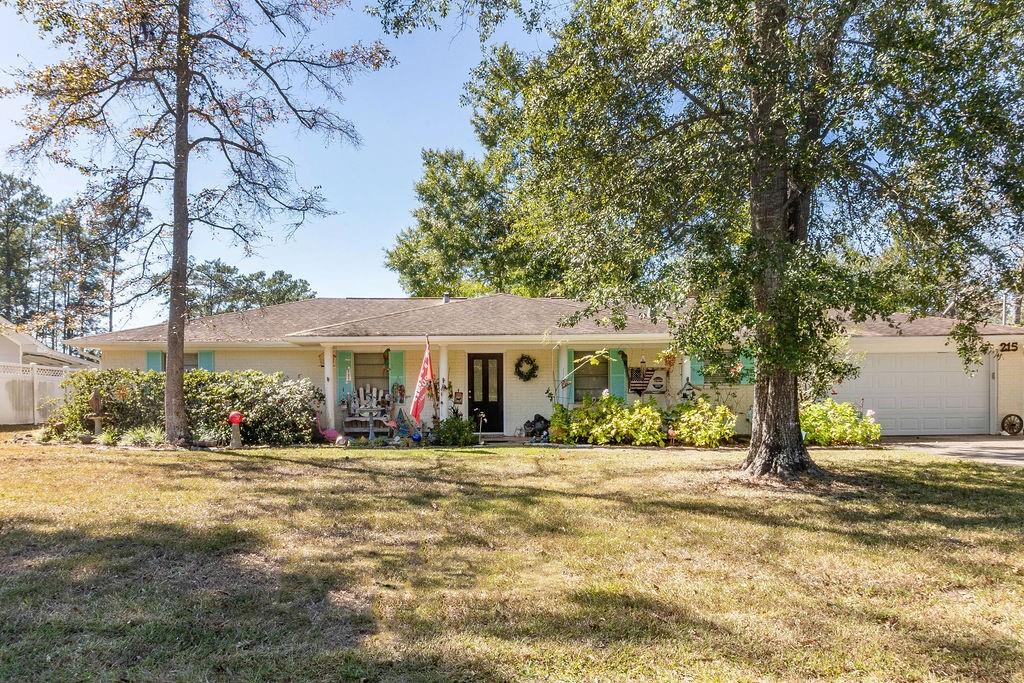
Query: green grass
(505,564)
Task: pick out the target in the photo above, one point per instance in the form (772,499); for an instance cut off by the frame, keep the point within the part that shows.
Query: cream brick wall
(1010,384)
(129,359)
(523,400)
(295,364)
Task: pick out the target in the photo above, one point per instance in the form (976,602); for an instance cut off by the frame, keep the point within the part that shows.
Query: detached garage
(917,384)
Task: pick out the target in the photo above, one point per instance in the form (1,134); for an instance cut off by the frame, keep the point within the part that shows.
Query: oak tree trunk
(780,206)
(776,443)
(174,392)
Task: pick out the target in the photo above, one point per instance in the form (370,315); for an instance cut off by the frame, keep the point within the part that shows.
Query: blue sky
(398,112)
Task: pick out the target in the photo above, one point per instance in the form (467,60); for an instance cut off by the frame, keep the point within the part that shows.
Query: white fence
(29,392)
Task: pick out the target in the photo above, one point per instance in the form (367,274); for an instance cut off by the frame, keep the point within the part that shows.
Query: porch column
(330,393)
(442,370)
(561,393)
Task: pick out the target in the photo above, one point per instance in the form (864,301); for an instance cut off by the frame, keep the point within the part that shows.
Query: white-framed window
(590,379)
(371,369)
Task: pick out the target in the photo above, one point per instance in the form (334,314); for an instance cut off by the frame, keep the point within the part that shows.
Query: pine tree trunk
(113,283)
(174,392)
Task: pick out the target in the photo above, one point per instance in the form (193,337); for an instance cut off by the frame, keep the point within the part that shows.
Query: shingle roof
(494,314)
(262,324)
(491,315)
(926,326)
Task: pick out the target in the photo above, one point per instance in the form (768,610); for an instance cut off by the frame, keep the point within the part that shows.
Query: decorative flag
(423,385)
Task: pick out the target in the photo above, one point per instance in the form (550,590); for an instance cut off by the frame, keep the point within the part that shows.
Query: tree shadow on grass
(898,504)
(165,601)
(951,495)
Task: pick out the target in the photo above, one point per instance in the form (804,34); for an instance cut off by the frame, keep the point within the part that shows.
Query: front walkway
(995,450)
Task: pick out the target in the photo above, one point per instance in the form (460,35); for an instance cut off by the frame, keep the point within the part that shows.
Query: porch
(477,378)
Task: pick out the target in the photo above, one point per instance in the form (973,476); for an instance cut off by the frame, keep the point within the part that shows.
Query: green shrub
(558,430)
(701,423)
(108,437)
(608,420)
(637,425)
(131,398)
(591,422)
(455,431)
(136,436)
(278,411)
(828,423)
(155,436)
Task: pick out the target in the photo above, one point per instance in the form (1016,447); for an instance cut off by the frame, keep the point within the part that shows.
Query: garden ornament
(96,403)
(330,434)
(235,418)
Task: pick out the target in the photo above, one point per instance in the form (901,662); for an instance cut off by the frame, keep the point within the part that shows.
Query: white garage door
(920,393)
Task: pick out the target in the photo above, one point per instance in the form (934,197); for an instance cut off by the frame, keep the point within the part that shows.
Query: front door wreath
(526,368)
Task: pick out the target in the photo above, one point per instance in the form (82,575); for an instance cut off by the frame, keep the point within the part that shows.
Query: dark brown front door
(486,390)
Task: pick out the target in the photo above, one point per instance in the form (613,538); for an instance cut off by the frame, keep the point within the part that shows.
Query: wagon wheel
(1012,424)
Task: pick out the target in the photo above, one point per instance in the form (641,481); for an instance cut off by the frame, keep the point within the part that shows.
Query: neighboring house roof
(34,351)
(492,315)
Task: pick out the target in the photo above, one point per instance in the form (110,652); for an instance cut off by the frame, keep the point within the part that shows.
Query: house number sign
(1008,346)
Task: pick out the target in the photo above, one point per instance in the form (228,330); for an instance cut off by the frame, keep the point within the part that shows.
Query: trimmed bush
(701,423)
(827,423)
(278,411)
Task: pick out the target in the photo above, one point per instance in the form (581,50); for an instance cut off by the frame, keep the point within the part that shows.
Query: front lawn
(505,564)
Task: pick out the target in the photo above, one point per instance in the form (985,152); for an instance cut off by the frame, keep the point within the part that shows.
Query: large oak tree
(763,172)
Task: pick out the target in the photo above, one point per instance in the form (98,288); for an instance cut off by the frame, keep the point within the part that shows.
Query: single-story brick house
(910,377)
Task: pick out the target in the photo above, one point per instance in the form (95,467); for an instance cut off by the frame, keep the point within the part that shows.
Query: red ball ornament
(235,417)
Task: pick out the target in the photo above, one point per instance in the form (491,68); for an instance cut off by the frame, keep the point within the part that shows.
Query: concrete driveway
(995,450)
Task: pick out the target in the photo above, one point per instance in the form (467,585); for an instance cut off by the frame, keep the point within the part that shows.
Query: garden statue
(235,418)
(96,403)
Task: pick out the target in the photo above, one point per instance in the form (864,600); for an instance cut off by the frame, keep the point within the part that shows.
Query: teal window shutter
(748,369)
(343,374)
(396,368)
(616,374)
(155,360)
(571,389)
(696,371)
(205,360)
